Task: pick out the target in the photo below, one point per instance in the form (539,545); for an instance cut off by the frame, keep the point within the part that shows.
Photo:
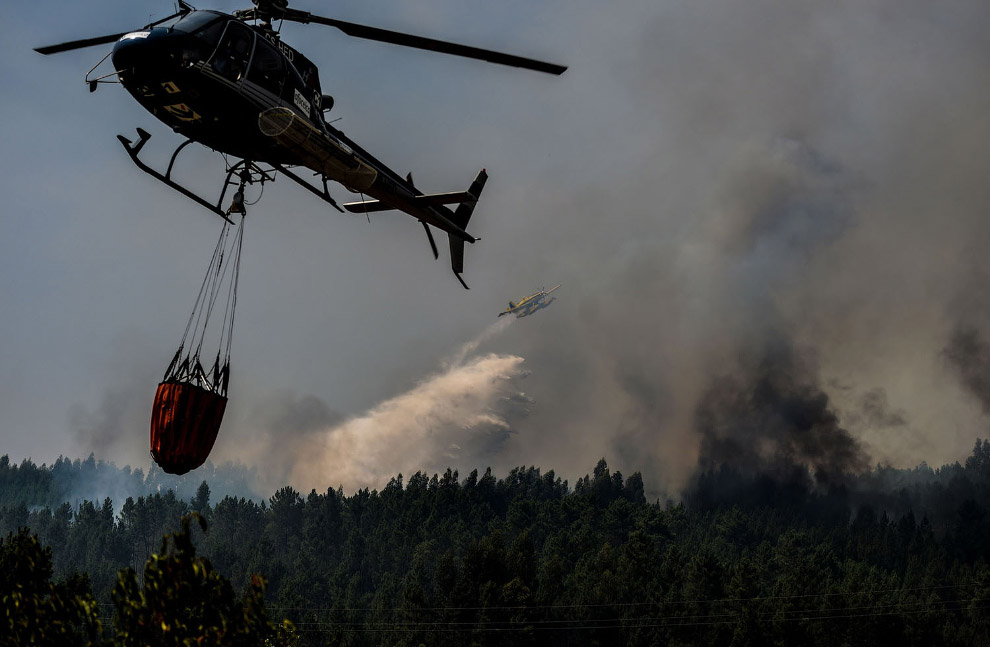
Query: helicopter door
(267,69)
(234,52)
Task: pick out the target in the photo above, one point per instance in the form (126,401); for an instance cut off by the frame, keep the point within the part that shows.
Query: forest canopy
(888,556)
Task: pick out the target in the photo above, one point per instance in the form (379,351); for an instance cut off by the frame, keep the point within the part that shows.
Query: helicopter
(531,304)
(230,83)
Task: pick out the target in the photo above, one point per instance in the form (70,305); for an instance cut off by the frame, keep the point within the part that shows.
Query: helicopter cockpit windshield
(205,25)
(195,21)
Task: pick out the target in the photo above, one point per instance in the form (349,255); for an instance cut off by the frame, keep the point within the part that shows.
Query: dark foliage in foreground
(894,557)
(182,601)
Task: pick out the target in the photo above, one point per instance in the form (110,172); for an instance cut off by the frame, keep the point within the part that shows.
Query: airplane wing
(523,304)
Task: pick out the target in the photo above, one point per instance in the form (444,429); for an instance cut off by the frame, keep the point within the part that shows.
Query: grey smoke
(877,412)
(806,177)
(103,425)
(969,354)
(116,427)
(790,196)
(291,414)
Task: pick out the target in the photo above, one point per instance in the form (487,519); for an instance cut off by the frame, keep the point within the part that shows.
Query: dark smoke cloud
(794,198)
(969,354)
(771,415)
(661,318)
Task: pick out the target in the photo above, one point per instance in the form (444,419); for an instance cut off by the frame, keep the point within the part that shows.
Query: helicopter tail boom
(316,150)
(425,200)
(431,210)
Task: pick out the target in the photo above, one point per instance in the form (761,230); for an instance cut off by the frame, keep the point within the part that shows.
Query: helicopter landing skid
(322,195)
(243,169)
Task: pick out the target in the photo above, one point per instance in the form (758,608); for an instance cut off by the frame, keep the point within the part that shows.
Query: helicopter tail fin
(460,217)
(464,210)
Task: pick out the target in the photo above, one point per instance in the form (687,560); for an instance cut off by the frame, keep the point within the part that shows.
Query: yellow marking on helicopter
(182,112)
(170,87)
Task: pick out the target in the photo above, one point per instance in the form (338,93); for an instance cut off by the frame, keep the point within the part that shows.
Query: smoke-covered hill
(74,481)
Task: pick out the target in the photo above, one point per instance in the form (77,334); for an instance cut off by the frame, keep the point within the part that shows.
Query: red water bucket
(185,420)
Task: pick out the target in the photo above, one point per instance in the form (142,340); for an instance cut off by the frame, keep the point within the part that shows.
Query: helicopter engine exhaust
(318,151)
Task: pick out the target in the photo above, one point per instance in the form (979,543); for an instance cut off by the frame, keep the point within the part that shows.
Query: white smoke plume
(457,359)
(460,417)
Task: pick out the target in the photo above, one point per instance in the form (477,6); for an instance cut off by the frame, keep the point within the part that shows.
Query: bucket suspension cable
(190,401)
(221,280)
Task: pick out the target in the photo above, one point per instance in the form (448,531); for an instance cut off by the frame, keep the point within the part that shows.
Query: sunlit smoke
(459,417)
(451,418)
(470,347)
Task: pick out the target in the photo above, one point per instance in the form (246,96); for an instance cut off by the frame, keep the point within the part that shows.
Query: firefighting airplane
(530,304)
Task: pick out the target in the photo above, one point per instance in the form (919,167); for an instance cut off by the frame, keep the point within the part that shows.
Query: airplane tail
(460,217)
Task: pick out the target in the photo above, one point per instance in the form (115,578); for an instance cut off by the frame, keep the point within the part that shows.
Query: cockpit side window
(232,56)
(267,68)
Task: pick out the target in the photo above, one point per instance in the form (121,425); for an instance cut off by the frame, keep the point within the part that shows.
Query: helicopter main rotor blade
(99,40)
(78,44)
(419,42)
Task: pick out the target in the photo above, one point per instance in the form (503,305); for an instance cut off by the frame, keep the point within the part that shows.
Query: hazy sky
(711,182)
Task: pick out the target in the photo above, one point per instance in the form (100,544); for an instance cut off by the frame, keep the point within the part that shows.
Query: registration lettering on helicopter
(282,47)
(301,102)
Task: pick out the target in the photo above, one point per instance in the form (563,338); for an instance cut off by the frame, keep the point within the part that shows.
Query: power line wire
(442,628)
(634,604)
